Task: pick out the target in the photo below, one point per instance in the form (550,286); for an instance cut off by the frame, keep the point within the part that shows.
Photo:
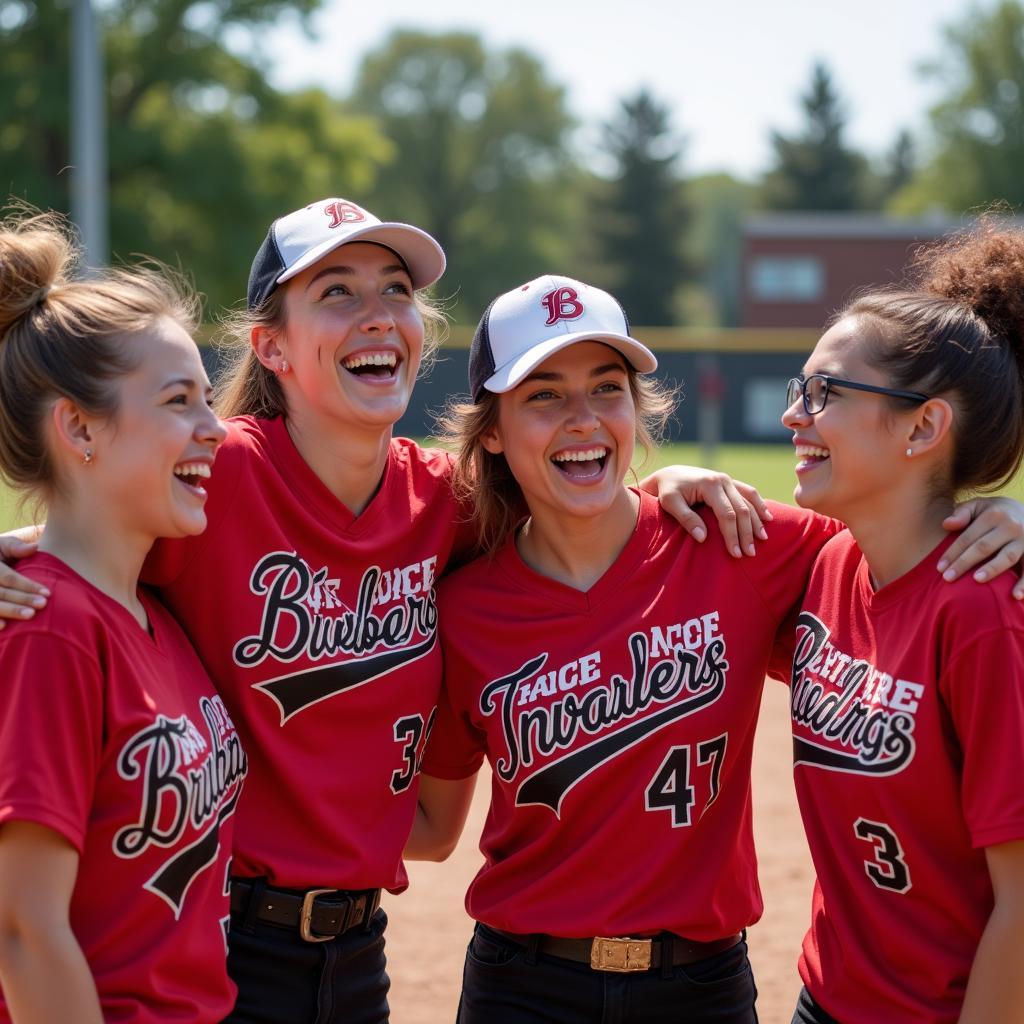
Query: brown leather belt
(319,914)
(624,955)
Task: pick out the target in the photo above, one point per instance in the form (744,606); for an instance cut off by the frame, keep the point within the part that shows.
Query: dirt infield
(429,927)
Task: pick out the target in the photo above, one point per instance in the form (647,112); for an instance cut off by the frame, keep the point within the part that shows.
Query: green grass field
(8,517)
(768,467)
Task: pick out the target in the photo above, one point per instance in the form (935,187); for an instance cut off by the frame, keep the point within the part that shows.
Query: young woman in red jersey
(119,766)
(610,671)
(310,599)
(908,697)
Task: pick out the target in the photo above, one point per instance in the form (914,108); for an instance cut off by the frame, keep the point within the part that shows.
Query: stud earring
(284,366)
(87,457)
(910,452)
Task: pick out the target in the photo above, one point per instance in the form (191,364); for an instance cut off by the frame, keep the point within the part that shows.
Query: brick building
(798,268)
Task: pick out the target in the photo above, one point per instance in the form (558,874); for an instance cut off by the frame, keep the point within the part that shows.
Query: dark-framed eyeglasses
(815,388)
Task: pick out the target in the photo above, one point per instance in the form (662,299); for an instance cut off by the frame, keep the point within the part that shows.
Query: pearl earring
(87,457)
(910,452)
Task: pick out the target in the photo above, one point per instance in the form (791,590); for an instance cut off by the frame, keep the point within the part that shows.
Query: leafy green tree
(714,243)
(642,218)
(203,153)
(815,170)
(979,125)
(482,156)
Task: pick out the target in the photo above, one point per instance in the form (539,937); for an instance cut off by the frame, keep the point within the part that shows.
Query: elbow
(442,850)
(434,848)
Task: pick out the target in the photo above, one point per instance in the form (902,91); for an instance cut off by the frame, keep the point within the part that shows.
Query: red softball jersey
(319,629)
(908,718)
(114,738)
(618,724)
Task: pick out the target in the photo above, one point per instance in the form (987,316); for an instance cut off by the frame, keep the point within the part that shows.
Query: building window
(787,278)
(764,401)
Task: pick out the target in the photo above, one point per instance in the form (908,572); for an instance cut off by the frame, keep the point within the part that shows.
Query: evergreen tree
(641,217)
(899,164)
(815,170)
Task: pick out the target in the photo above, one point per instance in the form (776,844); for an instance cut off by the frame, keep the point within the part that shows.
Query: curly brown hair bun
(958,332)
(982,269)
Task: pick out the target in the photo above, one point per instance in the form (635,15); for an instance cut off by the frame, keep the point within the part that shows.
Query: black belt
(624,955)
(319,914)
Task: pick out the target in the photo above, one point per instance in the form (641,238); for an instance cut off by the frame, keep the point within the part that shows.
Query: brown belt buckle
(620,955)
(306,917)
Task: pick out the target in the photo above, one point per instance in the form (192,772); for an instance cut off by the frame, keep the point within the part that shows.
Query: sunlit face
(153,456)
(353,338)
(568,430)
(852,453)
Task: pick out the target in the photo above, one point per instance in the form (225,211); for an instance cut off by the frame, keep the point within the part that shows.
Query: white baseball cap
(523,327)
(298,240)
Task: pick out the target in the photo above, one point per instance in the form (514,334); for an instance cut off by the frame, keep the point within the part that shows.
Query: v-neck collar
(113,609)
(313,492)
(922,574)
(553,591)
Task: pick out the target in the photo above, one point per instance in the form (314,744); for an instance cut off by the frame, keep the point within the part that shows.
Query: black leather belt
(624,955)
(319,914)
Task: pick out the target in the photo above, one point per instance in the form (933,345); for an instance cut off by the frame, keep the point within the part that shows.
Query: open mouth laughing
(382,366)
(581,464)
(810,455)
(192,475)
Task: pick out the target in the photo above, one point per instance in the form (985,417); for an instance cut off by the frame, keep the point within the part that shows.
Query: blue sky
(731,70)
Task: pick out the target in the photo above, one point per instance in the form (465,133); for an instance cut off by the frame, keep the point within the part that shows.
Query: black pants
(282,979)
(503,984)
(809,1012)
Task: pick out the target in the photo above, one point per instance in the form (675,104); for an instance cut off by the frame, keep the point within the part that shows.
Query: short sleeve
(984,692)
(782,566)
(51,732)
(456,748)
(780,663)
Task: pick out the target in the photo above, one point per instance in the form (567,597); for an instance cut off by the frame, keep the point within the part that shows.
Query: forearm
(440,816)
(425,842)
(45,976)
(995,989)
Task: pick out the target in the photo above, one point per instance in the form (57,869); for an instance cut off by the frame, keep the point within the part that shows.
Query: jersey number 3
(413,734)
(888,870)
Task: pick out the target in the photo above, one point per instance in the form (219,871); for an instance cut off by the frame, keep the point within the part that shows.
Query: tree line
(474,144)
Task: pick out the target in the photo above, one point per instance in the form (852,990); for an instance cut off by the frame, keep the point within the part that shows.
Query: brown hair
(61,337)
(960,333)
(483,481)
(245,387)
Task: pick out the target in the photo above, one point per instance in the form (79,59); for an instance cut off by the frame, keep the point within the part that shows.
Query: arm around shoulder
(20,597)
(992,528)
(737,506)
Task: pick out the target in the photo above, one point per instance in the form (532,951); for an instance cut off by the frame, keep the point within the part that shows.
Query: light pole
(88,135)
